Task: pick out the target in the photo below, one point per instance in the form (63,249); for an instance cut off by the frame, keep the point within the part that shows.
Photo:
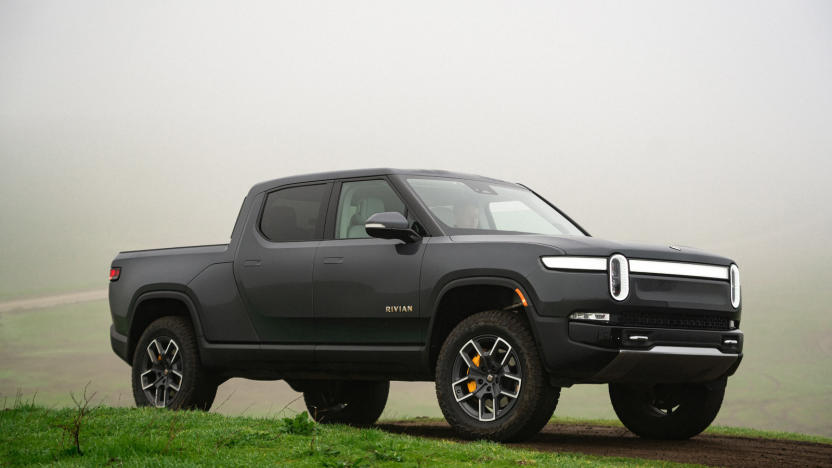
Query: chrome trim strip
(696,270)
(684,350)
(666,364)
(575,263)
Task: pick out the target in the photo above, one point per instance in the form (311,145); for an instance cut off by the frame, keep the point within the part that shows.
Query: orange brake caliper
(472,385)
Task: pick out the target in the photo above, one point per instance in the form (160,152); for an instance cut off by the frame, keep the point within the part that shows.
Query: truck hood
(595,247)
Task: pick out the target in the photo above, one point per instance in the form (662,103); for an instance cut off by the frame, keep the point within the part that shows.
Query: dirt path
(54,300)
(714,450)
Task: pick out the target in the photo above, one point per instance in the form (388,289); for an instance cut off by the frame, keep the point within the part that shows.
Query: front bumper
(662,355)
(577,352)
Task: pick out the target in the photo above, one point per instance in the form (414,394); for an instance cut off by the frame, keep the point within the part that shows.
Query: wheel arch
(152,305)
(444,318)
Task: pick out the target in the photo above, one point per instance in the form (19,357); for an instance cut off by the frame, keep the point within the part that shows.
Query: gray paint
(304,308)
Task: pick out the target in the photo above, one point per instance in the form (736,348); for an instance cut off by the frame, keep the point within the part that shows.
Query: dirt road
(713,450)
(54,300)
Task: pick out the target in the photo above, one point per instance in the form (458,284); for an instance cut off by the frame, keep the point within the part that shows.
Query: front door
(366,289)
(275,262)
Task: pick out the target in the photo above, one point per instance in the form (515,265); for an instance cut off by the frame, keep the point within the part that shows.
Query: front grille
(670,320)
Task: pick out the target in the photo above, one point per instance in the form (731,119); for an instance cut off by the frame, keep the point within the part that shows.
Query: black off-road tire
(643,409)
(357,403)
(197,387)
(536,399)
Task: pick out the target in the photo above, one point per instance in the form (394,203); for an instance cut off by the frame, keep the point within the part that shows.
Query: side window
(360,200)
(294,214)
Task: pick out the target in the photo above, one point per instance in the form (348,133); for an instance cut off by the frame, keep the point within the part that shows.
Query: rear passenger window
(294,214)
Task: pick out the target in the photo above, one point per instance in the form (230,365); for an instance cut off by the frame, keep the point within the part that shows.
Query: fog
(128,125)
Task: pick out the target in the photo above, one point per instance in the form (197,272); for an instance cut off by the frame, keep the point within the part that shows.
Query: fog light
(594,316)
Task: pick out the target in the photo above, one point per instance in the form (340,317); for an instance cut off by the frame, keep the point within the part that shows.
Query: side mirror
(390,225)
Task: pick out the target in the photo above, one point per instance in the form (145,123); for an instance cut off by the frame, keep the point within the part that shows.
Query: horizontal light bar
(595,316)
(575,263)
(695,270)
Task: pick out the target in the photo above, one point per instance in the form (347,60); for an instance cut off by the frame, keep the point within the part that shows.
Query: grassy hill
(33,435)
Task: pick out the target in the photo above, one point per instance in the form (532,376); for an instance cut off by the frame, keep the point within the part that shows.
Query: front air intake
(619,272)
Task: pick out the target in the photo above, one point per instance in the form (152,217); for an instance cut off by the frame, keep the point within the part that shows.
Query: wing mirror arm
(390,225)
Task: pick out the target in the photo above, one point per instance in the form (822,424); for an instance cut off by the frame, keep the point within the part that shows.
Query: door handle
(334,260)
(251,263)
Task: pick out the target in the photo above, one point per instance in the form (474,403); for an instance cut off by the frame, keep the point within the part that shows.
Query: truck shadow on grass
(616,441)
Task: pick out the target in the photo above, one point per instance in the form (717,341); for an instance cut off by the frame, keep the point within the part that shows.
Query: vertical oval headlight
(735,286)
(619,272)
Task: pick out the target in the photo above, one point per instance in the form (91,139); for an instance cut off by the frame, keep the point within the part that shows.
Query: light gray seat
(366,208)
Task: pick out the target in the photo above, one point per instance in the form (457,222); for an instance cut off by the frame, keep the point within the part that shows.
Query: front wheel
(357,403)
(490,381)
(667,411)
(167,372)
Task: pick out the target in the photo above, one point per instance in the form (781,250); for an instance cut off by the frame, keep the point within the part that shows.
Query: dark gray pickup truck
(341,282)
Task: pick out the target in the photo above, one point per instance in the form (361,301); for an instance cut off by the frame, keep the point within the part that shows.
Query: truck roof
(295,179)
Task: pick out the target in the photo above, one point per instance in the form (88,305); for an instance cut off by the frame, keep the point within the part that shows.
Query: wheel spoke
(467,359)
(495,349)
(453,389)
(462,380)
(142,380)
(174,386)
(175,351)
(493,408)
(476,347)
(156,397)
(516,388)
(154,353)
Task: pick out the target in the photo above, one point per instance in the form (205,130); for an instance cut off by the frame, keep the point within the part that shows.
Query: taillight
(619,277)
(735,286)
(115,273)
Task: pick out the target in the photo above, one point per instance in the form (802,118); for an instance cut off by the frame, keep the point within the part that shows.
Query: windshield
(477,207)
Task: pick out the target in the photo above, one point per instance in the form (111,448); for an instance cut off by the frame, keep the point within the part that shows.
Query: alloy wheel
(162,374)
(487,378)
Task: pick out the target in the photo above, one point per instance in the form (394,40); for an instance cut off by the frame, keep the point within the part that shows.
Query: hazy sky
(142,124)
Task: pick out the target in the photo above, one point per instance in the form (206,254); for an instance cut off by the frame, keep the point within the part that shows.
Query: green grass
(33,435)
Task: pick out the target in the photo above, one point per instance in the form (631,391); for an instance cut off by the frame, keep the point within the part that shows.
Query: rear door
(366,289)
(275,262)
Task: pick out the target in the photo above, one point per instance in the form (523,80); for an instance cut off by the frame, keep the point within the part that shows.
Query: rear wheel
(357,403)
(167,372)
(490,381)
(667,411)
